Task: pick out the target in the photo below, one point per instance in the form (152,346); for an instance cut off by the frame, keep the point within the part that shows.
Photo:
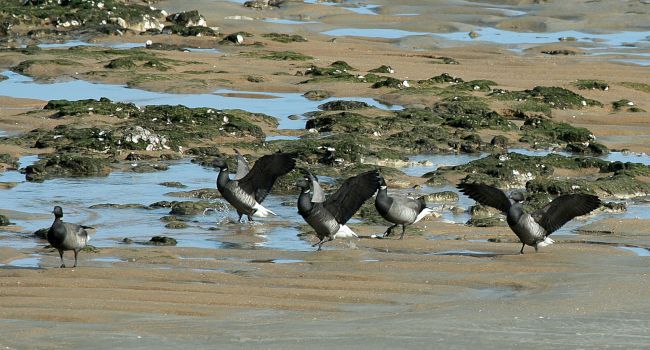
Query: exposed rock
(176,225)
(174,184)
(317,95)
(196,208)
(161,240)
(444,196)
(188,19)
(285,38)
(66,165)
(204,193)
(383,69)
(4,221)
(341,105)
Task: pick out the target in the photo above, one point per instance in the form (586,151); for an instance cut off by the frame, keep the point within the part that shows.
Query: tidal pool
(278,105)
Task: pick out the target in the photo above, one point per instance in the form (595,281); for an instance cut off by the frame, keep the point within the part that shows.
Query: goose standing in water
(66,236)
(328,217)
(249,188)
(535,228)
(399,211)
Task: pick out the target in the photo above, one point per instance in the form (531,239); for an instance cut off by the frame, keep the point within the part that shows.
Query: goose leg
(403,229)
(76,252)
(240,215)
(250,218)
(389,231)
(61,256)
(318,243)
(522,248)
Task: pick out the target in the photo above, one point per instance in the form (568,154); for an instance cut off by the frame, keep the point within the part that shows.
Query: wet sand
(381,293)
(582,292)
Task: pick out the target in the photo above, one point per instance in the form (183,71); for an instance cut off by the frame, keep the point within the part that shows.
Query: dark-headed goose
(65,236)
(328,216)
(532,229)
(249,188)
(399,210)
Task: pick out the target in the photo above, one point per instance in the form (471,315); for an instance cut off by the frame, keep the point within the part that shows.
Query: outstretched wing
(564,208)
(259,181)
(486,195)
(242,166)
(352,194)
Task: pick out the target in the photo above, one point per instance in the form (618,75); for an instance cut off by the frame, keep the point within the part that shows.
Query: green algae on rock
(591,84)
(195,207)
(285,38)
(66,165)
(555,97)
(285,56)
(4,221)
(317,95)
(80,16)
(161,240)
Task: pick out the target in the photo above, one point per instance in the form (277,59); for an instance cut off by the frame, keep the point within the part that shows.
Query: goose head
(382,183)
(58,211)
(517,196)
(220,163)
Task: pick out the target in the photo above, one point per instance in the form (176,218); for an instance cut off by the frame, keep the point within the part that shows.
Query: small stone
(473,34)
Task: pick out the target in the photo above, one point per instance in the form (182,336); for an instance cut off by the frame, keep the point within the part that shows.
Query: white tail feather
(262,212)
(345,232)
(423,213)
(546,242)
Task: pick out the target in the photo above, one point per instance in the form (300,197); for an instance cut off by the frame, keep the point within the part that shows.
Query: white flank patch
(423,213)
(345,232)
(547,241)
(262,212)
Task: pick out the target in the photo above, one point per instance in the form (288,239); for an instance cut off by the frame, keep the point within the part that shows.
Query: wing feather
(242,166)
(352,194)
(486,195)
(259,181)
(564,208)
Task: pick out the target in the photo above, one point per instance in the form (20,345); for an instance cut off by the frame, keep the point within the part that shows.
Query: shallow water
(633,61)
(287,21)
(281,138)
(360,8)
(636,250)
(213,230)
(72,43)
(278,105)
(32,262)
(493,35)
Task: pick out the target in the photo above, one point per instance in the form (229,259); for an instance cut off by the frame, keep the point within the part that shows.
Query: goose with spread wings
(249,188)
(328,217)
(535,228)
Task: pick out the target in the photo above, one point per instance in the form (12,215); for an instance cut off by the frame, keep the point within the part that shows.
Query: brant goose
(398,210)
(329,216)
(249,188)
(65,236)
(535,228)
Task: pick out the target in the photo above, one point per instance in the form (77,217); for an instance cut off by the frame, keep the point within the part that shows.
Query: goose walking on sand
(399,210)
(249,188)
(535,228)
(66,236)
(328,217)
